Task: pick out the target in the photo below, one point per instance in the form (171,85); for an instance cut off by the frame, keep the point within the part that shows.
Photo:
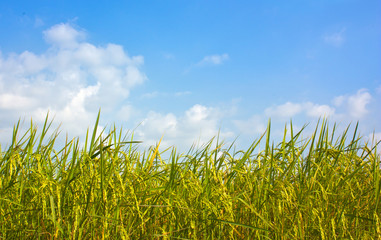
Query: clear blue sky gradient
(271,53)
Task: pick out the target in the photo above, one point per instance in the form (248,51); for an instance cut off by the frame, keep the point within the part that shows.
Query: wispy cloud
(168,56)
(335,39)
(38,22)
(179,94)
(210,60)
(378,89)
(213,59)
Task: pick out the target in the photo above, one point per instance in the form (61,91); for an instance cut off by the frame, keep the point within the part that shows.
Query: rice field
(324,187)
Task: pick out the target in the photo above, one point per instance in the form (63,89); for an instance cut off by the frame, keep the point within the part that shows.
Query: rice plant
(324,187)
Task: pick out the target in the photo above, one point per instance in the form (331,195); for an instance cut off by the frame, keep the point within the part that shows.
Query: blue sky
(188,69)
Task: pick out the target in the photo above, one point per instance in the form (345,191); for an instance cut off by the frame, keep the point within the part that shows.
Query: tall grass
(323,187)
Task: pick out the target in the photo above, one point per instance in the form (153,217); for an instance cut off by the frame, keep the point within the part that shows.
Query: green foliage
(319,188)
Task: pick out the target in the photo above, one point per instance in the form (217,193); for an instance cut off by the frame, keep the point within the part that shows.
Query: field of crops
(323,187)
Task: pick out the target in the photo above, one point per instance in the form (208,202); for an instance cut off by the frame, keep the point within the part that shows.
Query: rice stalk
(324,187)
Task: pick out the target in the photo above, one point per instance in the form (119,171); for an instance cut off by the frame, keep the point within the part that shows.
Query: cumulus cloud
(344,110)
(358,103)
(63,35)
(290,110)
(355,105)
(316,110)
(71,79)
(344,107)
(254,125)
(202,122)
(12,101)
(126,112)
(335,39)
(198,125)
(286,110)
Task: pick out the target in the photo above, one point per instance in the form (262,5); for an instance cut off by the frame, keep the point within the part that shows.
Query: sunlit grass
(323,187)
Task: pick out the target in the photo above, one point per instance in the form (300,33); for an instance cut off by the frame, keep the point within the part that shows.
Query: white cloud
(344,110)
(197,113)
(12,101)
(338,101)
(335,39)
(126,112)
(354,105)
(133,76)
(72,83)
(286,110)
(357,103)
(254,125)
(198,124)
(316,110)
(63,36)
(290,110)
(71,79)
(202,122)
(345,107)
(214,59)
